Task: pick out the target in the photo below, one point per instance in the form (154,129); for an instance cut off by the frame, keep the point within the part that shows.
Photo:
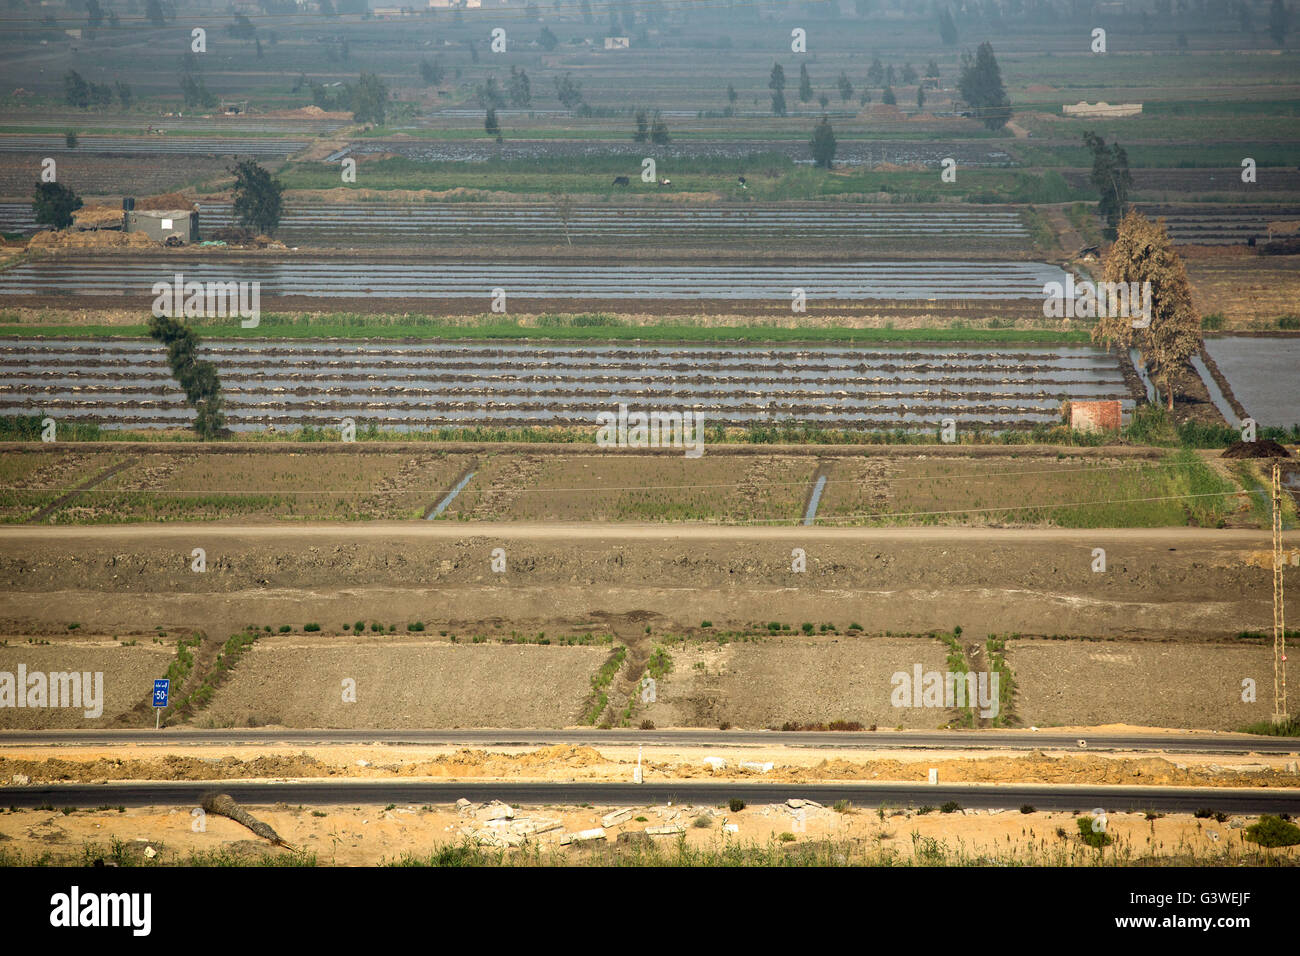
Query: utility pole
(1279,616)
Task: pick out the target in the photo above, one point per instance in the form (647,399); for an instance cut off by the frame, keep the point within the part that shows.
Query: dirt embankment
(563,762)
(1158,584)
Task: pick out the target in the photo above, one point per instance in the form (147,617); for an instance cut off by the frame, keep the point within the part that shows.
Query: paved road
(877,740)
(972,796)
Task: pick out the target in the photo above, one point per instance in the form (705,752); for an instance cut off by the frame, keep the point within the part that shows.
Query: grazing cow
(742,183)
(620,180)
(665,182)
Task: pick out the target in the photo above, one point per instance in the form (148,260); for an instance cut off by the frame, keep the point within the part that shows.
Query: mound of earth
(1256,449)
(164,202)
(70,239)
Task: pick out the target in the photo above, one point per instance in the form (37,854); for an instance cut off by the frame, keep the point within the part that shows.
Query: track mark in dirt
(72,495)
(815,489)
(448,495)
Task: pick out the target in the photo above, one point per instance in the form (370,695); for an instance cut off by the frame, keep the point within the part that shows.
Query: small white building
(161,224)
(1102,109)
(617,43)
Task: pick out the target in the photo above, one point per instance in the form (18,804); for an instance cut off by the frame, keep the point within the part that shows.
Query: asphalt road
(1173,742)
(970,796)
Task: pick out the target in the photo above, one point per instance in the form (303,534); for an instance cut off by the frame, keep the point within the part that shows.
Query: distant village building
(162,224)
(617,43)
(1102,110)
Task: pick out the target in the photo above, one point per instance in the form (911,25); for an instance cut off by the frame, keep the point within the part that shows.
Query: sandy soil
(128,675)
(788,679)
(1168,684)
(615,763)
(373,835)
(400,683)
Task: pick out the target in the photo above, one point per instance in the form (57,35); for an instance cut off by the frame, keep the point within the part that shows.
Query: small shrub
(952,806)
(286,628)
(415,626)
(1273,831)
(702,822)
(376,627)
(706,624)
(735,805)
(842,806)
(1288,322)
(807,627)
(647,725)
(359,626)
(1027,808)
(725,725)
(787,837)
(311,627)
(922,811)
(1093,837)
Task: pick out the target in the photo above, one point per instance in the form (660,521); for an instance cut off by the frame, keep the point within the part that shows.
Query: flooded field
(184,145)
(397,223)
(390,224)
(1264,373)
(122,382)
(388,279)
(850,152)
(100,174)
(1218,225)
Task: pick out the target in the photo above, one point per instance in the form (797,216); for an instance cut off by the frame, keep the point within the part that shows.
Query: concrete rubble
(617,816)
(669,830)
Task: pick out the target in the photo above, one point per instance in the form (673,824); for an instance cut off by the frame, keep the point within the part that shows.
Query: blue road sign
(160,690)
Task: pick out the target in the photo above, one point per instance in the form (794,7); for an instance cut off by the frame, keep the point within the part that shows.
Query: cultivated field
(286,384)
(558,482)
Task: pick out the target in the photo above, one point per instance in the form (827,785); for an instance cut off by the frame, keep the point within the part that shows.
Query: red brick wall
(1095,416)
